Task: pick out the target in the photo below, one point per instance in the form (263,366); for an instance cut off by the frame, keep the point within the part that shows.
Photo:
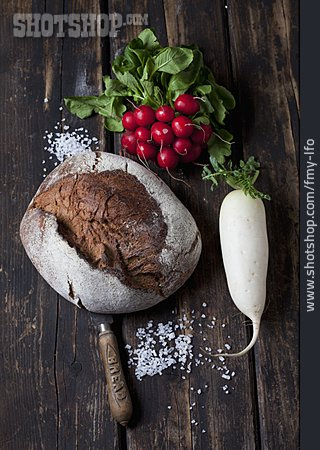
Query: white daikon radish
(244,244)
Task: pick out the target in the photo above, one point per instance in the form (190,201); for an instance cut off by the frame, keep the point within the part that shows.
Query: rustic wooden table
(52,388)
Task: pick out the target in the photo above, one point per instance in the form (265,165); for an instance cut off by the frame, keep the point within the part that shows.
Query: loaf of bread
(109,235)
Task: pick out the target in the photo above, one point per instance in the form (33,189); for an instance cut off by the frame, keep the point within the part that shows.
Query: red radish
(142,134)
(187,104)
(182,145)
(144,116)
(129,142)
(128,121)
(165,113)
(146,150)
(167,158)
(193,154)
(162,133)
(201,136)
(182,126)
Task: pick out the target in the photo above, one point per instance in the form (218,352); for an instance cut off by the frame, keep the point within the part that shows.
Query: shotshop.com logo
(73,25)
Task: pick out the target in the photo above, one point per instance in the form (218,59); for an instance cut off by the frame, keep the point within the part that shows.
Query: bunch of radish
(166,135)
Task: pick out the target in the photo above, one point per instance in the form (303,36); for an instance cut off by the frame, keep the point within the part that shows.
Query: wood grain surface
(52,390)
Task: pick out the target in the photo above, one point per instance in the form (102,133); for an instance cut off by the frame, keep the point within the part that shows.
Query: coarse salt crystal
(66,143)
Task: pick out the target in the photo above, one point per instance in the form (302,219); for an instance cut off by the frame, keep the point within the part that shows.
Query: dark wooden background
(52,388)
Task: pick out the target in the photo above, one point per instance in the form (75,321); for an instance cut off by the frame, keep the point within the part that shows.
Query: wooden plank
(230,420)
(84,416)
(153,425)
(227,423)
(53,390)
(28,309)
(266,71)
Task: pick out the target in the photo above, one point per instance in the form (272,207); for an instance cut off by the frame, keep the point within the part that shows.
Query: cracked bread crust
(105,231)
(112,221)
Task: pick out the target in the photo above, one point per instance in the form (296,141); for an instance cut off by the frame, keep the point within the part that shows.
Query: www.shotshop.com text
(311,225)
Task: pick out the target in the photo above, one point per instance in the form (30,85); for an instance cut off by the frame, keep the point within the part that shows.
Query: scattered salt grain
(170,345)
(203,316)
(68,143)
(169,406)
(204,305)
(159,347)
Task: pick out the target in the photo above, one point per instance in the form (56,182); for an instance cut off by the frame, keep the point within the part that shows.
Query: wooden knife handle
(118,393)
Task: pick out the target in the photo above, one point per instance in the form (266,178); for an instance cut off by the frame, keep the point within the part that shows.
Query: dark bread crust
(112,221)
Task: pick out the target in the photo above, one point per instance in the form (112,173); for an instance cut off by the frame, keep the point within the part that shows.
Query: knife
(118,394)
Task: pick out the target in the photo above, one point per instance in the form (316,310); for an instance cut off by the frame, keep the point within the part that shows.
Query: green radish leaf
(114,87)
(148,88)
(173,60)
(113,120)
(181,82)
(226,96)
(148,69)
(149,39)
(242,177)
(122,65)
(130,81)
(112,124)
(82,107)
(136,52)
(205,89)
(219,109)
(206,106)
(201,120)
(131,56)
(164,80)
(219,145)
(118,107)
(158,96)
(105,106)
